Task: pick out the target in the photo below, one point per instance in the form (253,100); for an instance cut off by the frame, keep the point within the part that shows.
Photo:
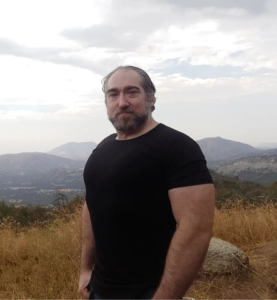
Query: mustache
(127,110)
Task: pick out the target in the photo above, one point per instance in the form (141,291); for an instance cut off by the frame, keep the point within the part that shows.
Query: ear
(153,100)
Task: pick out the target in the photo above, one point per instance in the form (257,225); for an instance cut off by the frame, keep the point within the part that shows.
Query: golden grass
(247,228)
(43,263)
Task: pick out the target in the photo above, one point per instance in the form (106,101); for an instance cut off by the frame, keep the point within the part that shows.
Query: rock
(224,258)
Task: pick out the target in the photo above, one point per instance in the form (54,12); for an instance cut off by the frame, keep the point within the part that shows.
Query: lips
(124,113)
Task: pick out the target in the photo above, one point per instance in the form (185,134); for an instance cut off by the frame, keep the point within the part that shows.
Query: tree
(60,199)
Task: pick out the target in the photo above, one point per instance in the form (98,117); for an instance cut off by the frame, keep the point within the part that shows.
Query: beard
(131,121)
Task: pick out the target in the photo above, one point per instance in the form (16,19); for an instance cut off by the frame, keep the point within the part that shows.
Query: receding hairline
(124,69)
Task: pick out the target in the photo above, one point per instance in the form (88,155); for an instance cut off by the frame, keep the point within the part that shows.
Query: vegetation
(246,227)
(251,192)
(40,247)
(39,216)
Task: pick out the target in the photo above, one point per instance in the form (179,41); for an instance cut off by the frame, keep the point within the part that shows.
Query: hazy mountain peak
(28,163)
(218,148)
(74,150)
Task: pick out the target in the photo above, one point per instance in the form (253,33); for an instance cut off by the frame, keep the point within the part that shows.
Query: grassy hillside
(252,192)
(42,261)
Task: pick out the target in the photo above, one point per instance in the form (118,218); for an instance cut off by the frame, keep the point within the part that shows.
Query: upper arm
(86,220)
(86,214)
(194,205)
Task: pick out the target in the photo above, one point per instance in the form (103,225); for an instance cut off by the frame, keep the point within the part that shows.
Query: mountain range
(216,149)
(35,177)
(239,160)
(34,163)
(76,151)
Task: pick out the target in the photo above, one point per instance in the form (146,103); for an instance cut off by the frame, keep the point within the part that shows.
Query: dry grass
(43,263)
(246,227)
(40,263)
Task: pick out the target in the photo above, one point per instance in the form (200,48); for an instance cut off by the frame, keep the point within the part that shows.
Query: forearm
(185,257)
(88,245)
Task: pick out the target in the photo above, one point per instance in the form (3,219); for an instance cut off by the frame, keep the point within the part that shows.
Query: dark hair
(146,82)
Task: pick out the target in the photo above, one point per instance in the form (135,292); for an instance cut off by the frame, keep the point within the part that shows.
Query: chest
(124,168)
(126,185)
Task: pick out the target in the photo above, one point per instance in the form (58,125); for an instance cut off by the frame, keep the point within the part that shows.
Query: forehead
(123,78)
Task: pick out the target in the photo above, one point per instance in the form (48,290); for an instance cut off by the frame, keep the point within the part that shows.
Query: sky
(213,62)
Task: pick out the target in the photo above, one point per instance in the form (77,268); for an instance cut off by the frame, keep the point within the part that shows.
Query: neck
(147,126)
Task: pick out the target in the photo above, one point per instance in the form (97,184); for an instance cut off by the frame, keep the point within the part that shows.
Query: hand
(83,284)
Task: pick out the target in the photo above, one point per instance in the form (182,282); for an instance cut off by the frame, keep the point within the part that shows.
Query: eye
(133,92)
(112,95)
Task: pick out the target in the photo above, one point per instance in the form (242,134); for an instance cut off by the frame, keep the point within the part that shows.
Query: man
(148,217)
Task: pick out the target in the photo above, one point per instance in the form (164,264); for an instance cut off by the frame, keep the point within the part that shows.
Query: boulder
(224,258)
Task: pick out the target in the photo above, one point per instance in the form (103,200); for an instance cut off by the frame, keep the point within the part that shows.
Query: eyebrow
(131,87)
(112,90)
(126,88)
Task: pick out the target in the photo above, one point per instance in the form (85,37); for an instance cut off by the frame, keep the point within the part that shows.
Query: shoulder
(106,140)
(183,160)
(170,134)
(177,141)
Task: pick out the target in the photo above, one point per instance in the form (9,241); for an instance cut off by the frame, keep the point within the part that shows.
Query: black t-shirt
(127,183)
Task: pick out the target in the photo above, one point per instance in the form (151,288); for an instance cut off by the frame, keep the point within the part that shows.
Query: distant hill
(216,149)
(260,169)
(268,152)
(34,163)
(76,151)
(267,146)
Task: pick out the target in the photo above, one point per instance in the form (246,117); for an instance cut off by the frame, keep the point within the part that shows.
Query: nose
(123,102)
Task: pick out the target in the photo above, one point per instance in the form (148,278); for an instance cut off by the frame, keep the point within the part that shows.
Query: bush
(27,216)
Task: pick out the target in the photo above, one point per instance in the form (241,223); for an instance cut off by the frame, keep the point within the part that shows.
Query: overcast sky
(214,64)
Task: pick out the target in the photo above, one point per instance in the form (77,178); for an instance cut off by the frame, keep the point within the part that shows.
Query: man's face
(127,106)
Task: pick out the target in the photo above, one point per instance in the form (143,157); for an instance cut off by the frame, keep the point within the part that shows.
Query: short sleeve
(184,162)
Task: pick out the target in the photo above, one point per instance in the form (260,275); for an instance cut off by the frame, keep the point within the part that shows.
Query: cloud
(66,56)
(177,88)
(8,47)
(227,34)
(124,29)
(20,114)
(251,6)
(47,113)
(198,40)
(100,66)
(26,82)
(215,33)
(188,70)
(100,36)
(214,63)
(34,108)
